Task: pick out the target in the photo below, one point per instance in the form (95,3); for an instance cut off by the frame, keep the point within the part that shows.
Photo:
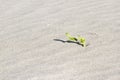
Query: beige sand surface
(29,30)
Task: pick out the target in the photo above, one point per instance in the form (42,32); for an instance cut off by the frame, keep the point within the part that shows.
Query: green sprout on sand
(79,39)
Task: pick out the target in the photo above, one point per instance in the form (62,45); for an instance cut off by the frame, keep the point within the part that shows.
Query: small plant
(79,39)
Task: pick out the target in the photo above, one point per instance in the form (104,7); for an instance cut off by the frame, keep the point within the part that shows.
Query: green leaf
(82,40)
(71,38)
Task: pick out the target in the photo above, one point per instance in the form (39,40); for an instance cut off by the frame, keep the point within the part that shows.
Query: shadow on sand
(63,41)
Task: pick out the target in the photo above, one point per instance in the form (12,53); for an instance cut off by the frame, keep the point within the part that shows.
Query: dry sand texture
(28,50)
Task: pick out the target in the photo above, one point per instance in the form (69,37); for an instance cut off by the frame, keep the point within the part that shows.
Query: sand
(32,35)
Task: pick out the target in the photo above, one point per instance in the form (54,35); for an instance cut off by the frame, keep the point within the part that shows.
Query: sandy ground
(32,31)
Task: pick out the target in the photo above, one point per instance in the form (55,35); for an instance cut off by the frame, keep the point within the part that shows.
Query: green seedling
(71,38)
(79,39)
(82,40)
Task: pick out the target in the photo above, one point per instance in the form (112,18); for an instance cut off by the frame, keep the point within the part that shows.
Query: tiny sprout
(79,39)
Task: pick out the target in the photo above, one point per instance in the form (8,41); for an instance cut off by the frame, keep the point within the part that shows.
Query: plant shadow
(67,41)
